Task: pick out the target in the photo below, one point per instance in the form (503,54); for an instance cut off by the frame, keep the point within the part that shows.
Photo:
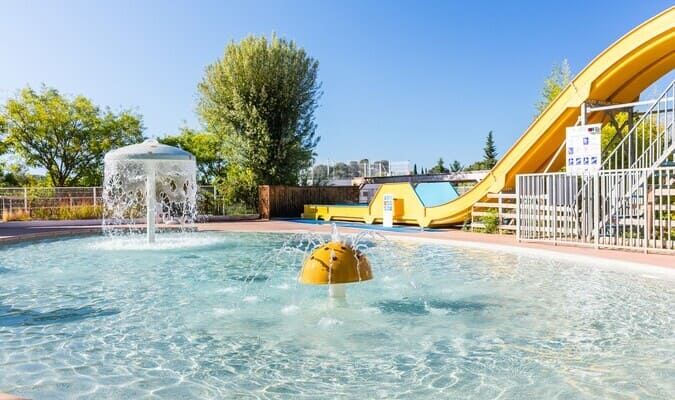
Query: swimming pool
(221,315)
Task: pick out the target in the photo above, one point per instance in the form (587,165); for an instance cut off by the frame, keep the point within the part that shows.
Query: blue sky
(402,80)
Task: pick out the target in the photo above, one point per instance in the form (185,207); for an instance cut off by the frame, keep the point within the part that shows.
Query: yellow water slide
(618,75)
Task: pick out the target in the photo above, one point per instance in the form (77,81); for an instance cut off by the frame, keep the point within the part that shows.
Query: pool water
(221,315)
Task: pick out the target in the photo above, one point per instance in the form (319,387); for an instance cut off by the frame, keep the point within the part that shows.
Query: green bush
(491,221)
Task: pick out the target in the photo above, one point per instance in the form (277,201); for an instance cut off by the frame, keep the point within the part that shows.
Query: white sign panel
(388,211)
(584,149)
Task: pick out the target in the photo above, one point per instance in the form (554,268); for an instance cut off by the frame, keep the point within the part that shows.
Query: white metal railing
(648,145)
(631,209)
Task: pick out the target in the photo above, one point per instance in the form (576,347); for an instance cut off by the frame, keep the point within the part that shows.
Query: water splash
(125,196)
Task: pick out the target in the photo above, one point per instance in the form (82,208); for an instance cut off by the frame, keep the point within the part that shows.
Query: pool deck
(19,231)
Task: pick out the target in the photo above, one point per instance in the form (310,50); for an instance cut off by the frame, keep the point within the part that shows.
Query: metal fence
(43,200)
(629,209)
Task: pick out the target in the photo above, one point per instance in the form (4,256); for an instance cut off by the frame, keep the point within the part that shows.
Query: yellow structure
(335,263)
(618,75)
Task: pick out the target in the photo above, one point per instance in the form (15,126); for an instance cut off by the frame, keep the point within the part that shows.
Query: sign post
(584,149)
(388,210)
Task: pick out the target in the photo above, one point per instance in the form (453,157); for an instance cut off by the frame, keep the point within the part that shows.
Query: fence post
(264,201)
(94,195)
(25,200)
(215,201)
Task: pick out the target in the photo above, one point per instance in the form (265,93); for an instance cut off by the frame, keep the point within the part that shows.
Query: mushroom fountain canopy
(150,149)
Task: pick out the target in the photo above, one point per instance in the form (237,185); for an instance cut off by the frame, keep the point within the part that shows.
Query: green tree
(13,174)
(456,166)
(559,77)
(489,156)
(206,147)
(414,172)
(439,168)
(490,152)
(66,137)
(260,98)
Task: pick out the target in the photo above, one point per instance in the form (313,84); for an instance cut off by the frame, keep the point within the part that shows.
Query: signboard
(388,210)
(583,149)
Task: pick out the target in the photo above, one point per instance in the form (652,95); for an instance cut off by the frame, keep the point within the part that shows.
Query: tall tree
(261,97)
(554,84)
(66,137)
(456,166)
(490,152)
(206,148)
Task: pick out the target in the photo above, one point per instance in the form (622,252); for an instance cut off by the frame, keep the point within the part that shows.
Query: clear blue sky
(402,80)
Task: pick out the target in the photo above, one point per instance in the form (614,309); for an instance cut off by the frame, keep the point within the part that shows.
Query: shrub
(64,212)
(15,215)
(491,221)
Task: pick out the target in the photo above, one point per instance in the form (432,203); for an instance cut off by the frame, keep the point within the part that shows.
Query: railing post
(596,209)
(25,200)
(554,181)
(518,208)
(94,195)
(645,209)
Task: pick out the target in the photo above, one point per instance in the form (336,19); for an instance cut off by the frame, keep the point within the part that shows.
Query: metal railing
(43,200)
(651,141)
(629,209)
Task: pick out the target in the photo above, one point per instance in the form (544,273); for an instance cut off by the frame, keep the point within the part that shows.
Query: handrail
(615,160)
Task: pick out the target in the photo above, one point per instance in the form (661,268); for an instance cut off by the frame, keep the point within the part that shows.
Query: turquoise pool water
(219,315)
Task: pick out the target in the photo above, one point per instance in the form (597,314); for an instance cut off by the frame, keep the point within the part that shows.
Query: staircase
(651,142)
(634,179)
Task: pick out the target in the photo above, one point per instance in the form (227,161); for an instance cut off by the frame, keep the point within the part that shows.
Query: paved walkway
(18,231)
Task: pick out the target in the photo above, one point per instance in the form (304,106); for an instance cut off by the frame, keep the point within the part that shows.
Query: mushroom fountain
(150,180)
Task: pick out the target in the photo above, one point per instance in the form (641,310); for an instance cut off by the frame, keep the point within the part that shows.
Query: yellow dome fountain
(335,264)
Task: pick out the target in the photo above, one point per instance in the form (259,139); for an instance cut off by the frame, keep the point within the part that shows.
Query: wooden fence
(503,210)
(288,201)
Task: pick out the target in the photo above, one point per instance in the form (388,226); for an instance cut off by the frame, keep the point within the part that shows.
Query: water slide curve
(618,75)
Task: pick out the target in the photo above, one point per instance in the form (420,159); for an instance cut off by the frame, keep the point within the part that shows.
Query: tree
(555,83)
(439,168)
(490,152)
(456,166)
(260,98)
(489,156)
(414,169)
(206,148)
(66,137)
(12,174)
